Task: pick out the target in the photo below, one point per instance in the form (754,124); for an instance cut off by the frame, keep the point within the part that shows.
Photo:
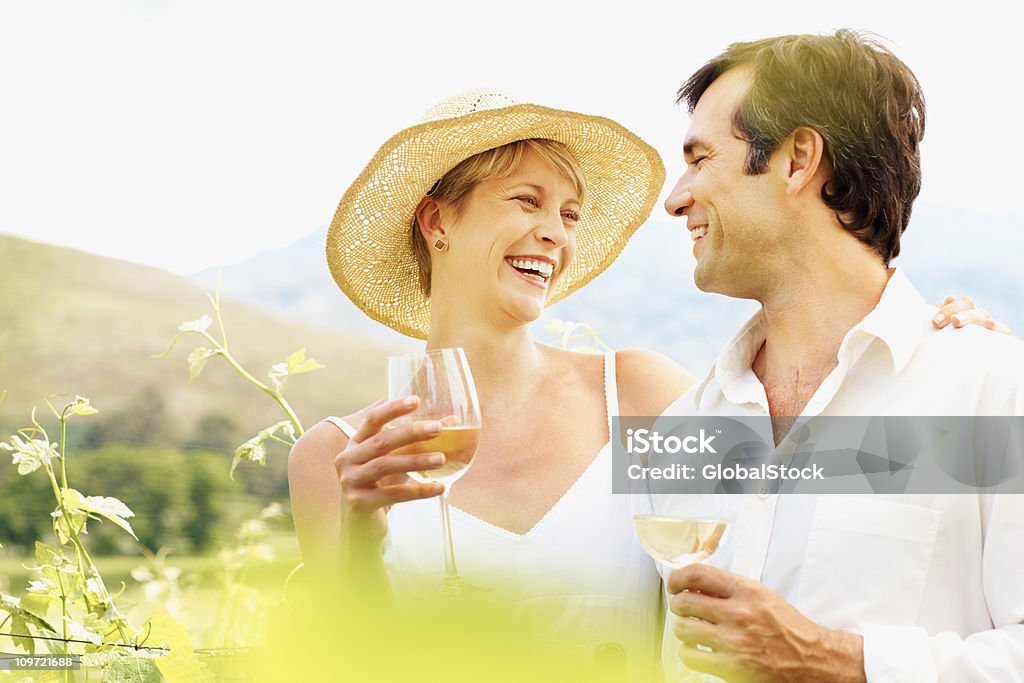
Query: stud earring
(441,245)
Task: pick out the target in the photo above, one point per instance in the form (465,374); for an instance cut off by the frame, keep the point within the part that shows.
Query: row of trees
(175,480)
(179,499)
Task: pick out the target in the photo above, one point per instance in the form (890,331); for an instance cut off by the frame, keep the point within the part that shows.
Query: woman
(494,210)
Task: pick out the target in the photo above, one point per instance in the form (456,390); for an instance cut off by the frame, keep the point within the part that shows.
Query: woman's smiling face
(511,239)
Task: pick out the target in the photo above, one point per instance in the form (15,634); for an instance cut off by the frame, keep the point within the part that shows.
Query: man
(803,164)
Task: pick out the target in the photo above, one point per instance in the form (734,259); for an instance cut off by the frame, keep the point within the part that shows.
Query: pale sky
(190,134)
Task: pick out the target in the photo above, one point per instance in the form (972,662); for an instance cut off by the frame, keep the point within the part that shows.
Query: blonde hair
(499,162)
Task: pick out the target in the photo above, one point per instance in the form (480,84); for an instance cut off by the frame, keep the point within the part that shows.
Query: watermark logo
(642,441)
(819,455)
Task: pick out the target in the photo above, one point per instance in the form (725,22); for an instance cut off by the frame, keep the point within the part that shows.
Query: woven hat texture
(368,247)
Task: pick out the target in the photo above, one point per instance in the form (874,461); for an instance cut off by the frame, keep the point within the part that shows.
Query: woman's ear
(428,218)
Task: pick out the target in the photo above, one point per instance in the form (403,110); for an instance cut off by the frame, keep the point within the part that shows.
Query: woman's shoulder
(648,382)
(324,439)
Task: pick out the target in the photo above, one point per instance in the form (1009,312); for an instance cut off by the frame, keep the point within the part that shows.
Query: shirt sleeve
(898,654)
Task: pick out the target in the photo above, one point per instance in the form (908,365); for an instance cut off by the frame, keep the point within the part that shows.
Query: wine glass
(679,541)
(444,384)
(679,529)
(675,528)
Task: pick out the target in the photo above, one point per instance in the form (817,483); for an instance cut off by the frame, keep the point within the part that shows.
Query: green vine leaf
(180,663)
(106,507)
(80,632)
(38,604)
(254,450)
(29,455)
(197,360)
(298,363)
(200,325)
(49,556)
(295,364)
(81,406)
(65,529)
(21,618)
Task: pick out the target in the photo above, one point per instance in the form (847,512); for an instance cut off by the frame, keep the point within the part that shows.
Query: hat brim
(368,242)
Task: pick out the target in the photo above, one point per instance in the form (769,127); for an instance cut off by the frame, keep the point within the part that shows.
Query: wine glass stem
(451,572)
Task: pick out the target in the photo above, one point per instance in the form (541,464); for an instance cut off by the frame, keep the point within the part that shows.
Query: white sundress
(580,567)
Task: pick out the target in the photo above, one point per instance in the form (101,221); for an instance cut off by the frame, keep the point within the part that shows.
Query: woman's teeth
(538,270)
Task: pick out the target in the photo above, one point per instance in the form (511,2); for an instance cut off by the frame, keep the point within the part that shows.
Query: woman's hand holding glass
(442,380)
(374,477)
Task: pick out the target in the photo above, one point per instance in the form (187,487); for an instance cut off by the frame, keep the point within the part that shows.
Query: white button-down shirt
(934,583)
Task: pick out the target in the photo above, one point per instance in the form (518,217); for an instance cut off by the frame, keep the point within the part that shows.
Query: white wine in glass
(458,445)
(677,529)
(679,541)
(444,384)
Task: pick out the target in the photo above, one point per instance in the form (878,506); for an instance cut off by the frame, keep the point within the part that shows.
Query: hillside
(75,323)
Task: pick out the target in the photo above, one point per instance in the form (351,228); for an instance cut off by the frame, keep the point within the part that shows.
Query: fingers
(976,316)
(981,317)
(693,604)
(695,632)
(378,416)
(962,311)
(388,440)
(370,499)
(704,579)
(701,660)
(368,474)
(372,474)
(950,306)
(996,326)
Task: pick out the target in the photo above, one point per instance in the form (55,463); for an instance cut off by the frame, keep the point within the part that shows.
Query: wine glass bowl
(457,442)
(675,528)
(679,541)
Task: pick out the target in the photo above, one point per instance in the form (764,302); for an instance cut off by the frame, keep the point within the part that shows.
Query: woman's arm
(341,489)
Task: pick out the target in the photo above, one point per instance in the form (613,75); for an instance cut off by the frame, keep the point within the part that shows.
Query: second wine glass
(676,528)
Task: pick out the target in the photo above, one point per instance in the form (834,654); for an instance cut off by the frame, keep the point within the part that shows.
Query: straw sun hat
(368,243)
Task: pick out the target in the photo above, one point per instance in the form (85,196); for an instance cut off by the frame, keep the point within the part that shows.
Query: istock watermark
(819,455)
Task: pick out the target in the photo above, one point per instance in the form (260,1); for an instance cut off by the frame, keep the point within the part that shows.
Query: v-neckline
(547,514)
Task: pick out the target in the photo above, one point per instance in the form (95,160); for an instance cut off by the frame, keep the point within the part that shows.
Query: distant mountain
(647,297)
(74,323)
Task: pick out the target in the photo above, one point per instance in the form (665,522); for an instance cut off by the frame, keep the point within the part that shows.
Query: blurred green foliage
(180,498)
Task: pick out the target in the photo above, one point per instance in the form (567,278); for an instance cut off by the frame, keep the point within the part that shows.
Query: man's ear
(805,150)
(428,217)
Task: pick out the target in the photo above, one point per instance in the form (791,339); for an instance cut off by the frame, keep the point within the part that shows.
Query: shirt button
(764,492)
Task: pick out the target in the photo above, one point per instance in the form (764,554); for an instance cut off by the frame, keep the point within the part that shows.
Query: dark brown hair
(866,104)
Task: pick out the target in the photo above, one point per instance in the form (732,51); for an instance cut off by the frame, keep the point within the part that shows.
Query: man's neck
(805,320)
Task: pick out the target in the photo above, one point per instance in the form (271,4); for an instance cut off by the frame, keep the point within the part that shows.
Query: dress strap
(611,392)
(349,430)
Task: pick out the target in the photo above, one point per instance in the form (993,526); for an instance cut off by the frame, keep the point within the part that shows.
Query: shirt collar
(888,322)
(892,321)
(736,358)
